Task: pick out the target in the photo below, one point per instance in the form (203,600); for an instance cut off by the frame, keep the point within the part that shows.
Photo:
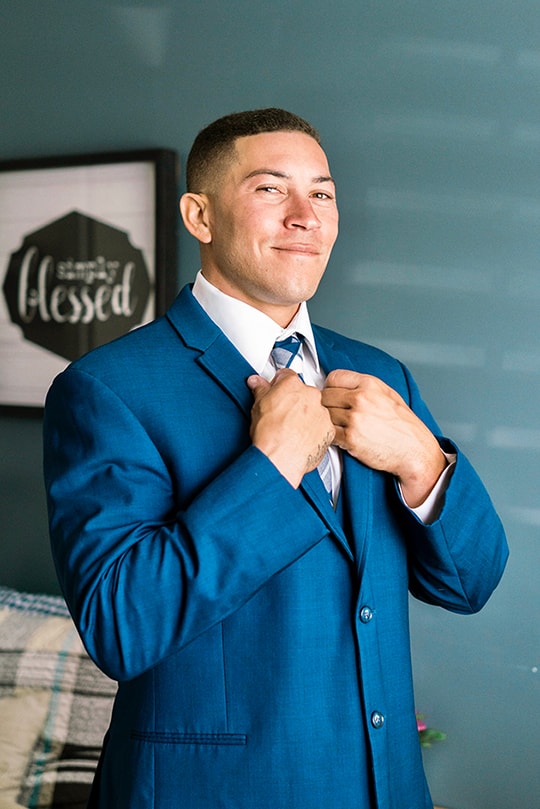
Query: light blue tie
(287,353)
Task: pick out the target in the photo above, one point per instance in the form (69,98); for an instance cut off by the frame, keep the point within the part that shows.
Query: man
(251,603)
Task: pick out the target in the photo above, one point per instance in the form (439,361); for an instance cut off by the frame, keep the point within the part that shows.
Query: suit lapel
(357,480)
(314,490)
(214,352)
(357,496)
(230,370)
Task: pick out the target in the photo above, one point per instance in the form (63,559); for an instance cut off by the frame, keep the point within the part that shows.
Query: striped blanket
(54,706)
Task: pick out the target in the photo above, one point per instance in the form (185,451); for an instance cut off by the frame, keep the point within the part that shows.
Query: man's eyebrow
(284,176)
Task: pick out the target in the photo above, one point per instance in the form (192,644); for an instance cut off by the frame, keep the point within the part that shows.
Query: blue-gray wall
(430,113)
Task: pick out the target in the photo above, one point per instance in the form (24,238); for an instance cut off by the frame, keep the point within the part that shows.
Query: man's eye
(269,188)
(322,195)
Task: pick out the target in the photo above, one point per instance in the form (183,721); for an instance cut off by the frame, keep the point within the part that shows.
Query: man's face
(272,223)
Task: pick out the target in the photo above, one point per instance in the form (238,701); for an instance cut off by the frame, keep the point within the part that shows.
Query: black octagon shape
(75,284)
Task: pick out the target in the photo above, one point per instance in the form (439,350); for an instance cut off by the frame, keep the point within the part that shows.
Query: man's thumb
(257,384)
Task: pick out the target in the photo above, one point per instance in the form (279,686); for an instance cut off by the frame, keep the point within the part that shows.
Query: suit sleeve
(457,561)
(140,578)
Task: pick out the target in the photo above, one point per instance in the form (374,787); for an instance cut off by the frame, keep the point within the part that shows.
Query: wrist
(417,484)
(282,460)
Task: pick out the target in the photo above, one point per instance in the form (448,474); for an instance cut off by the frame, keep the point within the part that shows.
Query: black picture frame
(61,293)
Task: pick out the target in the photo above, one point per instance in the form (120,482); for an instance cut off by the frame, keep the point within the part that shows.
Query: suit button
(366,614)
(377,720)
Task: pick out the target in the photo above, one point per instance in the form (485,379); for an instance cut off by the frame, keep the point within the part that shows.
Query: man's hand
(289,424)
(374,425)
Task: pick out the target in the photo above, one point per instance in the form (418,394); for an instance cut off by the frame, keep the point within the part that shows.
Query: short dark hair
(215,143)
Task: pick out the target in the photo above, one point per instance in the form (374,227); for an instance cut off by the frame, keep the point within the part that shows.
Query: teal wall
(429,112)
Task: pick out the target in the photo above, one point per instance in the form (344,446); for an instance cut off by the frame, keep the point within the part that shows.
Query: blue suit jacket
(260,640)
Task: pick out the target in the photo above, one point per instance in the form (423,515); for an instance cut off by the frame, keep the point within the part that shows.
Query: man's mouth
(299,247)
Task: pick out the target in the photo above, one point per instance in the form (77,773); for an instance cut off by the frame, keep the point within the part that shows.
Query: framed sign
(88,249)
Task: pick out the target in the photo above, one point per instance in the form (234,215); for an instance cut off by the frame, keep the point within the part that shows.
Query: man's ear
(194,210)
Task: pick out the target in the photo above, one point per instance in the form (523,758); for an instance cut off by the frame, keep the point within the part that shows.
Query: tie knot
(285,351)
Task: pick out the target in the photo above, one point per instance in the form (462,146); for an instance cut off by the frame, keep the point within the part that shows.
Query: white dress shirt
(253,334)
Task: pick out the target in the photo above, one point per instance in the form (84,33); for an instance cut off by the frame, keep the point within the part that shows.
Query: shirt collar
(251,332)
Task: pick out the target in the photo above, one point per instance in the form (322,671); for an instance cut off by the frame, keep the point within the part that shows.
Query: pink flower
(427,735)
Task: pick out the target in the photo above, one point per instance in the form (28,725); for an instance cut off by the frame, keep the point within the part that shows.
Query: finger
(257,385)
(341,378)
(289,380)
(284,373)
(368,388)
(340,439)
(339,416)
(336,397)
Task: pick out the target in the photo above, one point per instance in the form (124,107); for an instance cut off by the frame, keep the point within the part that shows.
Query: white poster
(78,248)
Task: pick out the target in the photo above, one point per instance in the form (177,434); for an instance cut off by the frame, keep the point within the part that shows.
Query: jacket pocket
(174,737)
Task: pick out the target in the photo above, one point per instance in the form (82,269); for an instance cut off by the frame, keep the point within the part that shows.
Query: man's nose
(301,213)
